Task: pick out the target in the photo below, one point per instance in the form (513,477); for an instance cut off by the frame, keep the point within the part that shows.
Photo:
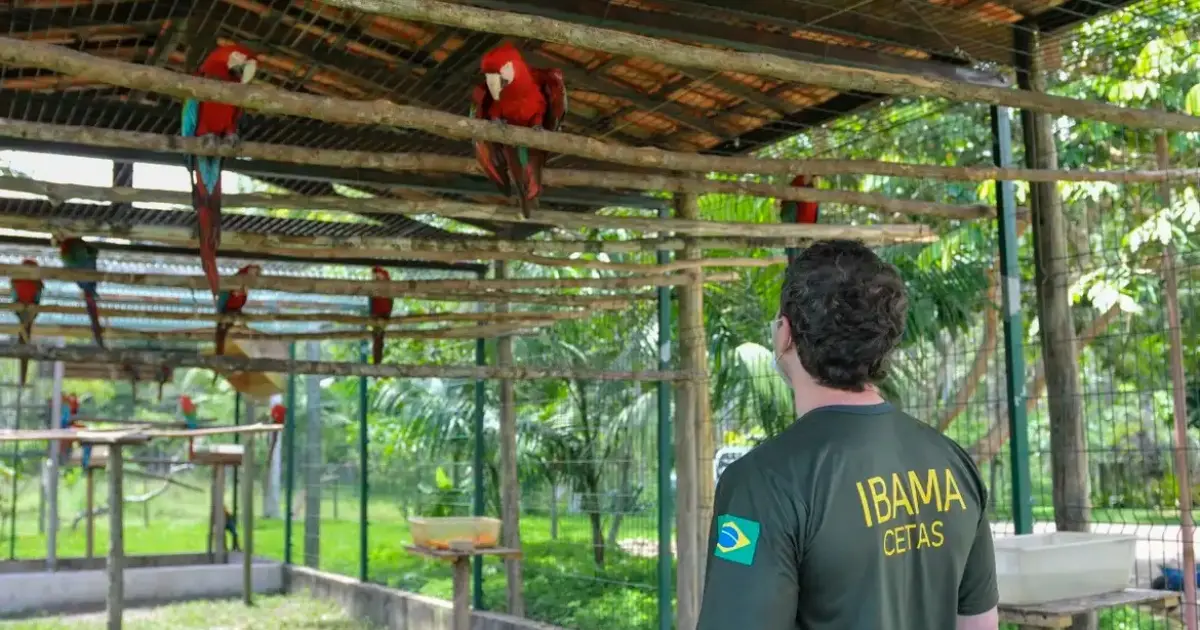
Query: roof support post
(510,488)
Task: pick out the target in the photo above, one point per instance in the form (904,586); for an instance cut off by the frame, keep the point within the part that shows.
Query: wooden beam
(432,162)
(126,356)
(206,334)
(328,286)
(510,485)
(812,73)
(490,212)
(270,100)
(482,318)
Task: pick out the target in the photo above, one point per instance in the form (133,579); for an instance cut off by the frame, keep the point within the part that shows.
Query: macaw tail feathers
(377,345)
(208,220)
(271,448)
(219,340)
(525,171)
(86,456)
(93,311)
(24,336)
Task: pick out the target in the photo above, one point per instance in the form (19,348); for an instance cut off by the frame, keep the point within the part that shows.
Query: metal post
(363,485)
(289,444)
(477,465)
(51,474)
(1014,329)
(237,439)
(666,618)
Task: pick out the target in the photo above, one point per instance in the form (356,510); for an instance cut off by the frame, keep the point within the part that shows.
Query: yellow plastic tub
(444,532)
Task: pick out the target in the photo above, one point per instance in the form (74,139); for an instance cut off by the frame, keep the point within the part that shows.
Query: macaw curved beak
(495,84)
(244,72)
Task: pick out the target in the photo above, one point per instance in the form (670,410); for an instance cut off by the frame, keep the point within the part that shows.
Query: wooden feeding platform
(114,441)
(1058,614)
(460,555)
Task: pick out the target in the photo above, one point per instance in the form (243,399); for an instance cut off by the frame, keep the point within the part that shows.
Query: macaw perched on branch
(77,253)
(799,211)
(515,94)
(214,123)
(278,416)
(27,293)
(191,421)
(380,309)
(231,303)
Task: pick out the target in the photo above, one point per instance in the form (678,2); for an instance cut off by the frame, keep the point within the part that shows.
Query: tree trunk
(1068,438)
(592,507)
(553,511)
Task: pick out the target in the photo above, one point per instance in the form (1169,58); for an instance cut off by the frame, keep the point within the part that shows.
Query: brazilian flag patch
(737,539)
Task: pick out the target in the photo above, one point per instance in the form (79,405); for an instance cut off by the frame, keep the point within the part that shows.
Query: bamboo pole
(483,318)
(206,334)
(273,101)
(125,356)
(455,289)
(839,77)
(463,210)
(477,211)
(432,162)
(397,248)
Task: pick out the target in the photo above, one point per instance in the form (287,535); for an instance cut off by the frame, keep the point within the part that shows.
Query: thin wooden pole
(462,593)
(50,480)
(205,334)
(687,495)
(1179,389)
(248,520)
(127,356)
(217,522)
(91,509)
(510,489)
(414,289)
(648,181)
(116,538)
(492,212)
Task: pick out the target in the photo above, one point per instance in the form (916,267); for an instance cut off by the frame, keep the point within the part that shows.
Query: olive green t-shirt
(855,518)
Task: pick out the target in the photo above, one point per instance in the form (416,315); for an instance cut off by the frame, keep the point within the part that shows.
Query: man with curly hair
(858,516)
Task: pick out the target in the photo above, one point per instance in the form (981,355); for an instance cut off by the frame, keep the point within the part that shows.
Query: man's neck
(811,396)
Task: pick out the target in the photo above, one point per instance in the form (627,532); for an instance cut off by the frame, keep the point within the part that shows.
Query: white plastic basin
(1039,568)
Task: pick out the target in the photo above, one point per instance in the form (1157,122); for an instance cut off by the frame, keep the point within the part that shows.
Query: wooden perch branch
(358,247)
(270,100)
(416,289)
(90,354)
(487,212)
(432,162)
(484,318)
(844,78)
(206,334)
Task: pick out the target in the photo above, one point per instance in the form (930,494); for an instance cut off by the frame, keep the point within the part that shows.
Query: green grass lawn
(293,613)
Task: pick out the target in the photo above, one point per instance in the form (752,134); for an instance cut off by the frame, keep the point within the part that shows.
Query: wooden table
(1058,614)
(462,574)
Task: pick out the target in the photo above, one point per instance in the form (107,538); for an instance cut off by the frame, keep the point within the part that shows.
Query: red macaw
(515,94)
(278,416)
(799,211)
(27,293)
(231,303)
(380,309)
(214,123)
(191,421)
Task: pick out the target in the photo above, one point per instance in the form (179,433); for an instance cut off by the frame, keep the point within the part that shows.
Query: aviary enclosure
(1030,167)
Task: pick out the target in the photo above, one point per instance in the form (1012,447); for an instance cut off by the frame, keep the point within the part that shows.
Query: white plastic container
(1040,568)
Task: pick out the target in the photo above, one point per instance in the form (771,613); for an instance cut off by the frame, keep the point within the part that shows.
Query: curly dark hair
(847,309)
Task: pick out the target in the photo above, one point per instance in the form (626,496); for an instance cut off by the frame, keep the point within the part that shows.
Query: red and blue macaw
(380,309)
(799,211)
(77,253)
(70,409)
(191,421)
(513,93)
(27,293)
(214,123)
(278,416)
(231,303)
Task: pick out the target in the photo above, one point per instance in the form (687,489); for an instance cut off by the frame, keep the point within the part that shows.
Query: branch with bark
(486,212)
(206,334)
(274,101)
(226,364)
